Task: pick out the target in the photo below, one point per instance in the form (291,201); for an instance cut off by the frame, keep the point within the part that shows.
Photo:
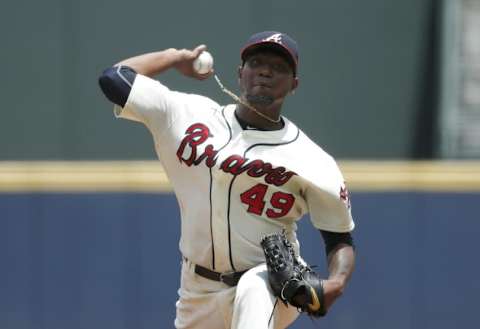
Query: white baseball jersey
(233,185)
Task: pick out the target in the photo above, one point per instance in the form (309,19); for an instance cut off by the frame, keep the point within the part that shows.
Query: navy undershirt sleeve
(333,239)
(116,83)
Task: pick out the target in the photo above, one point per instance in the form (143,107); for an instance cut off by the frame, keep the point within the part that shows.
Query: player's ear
(295,83)
(239,73)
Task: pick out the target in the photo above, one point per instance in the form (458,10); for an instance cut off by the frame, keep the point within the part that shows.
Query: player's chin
(260,100)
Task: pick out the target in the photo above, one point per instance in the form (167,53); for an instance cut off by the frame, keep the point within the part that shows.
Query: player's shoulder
(314,164)
(202,101)
(150,85)
(309,155)
(312,150)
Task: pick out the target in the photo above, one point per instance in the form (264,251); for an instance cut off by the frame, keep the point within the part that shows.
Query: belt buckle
(228,278)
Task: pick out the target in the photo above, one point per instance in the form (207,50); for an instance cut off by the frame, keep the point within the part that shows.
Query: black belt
(229,278)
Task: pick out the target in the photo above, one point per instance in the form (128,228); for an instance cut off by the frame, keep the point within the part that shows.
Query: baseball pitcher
(243,175)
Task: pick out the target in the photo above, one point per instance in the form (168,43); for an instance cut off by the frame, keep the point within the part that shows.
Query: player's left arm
(329,206)
(341,262)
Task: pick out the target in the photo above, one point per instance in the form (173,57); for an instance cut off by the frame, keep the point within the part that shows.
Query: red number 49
(280,202)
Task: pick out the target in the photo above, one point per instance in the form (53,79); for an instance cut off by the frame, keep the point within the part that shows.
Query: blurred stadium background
(88,224)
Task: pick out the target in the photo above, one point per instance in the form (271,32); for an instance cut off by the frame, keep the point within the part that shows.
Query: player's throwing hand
(185,60)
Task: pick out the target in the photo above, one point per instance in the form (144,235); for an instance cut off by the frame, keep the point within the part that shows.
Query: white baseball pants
(207,304)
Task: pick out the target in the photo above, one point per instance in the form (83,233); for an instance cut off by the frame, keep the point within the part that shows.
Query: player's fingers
(198,50)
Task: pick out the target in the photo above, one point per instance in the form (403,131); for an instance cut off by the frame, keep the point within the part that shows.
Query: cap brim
(268,44)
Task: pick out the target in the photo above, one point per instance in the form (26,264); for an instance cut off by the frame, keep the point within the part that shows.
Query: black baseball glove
(291,281)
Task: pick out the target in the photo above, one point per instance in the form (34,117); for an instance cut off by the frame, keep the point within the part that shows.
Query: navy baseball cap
(276,40)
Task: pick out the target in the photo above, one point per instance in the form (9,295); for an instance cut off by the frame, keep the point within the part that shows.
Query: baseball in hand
(203,63)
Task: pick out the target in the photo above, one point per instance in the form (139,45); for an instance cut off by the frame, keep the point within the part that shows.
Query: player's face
(266,78)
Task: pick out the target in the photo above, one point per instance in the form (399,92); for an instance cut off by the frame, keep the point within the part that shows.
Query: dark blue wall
(111,261)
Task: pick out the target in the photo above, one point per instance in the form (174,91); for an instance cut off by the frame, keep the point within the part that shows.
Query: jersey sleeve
(329,201)
(151,103)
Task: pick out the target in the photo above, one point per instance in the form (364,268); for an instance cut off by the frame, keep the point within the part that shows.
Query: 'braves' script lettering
(235,164)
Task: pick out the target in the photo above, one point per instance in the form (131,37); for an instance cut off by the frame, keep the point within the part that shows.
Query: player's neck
(250,118)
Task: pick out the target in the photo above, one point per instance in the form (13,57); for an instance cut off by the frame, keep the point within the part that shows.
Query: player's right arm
(116,82)
(151,64)
(129,85)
